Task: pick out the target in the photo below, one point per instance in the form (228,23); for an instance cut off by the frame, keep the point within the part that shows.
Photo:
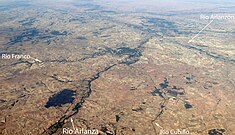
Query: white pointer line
(37,60)
(200,31)
(158,125)
(72,124)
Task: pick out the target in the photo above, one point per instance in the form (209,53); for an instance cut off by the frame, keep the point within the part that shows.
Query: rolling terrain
(121,67)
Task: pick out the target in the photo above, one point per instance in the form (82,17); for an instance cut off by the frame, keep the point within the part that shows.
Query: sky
(132,5)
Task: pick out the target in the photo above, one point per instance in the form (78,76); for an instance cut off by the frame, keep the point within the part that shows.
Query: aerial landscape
(117,67)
